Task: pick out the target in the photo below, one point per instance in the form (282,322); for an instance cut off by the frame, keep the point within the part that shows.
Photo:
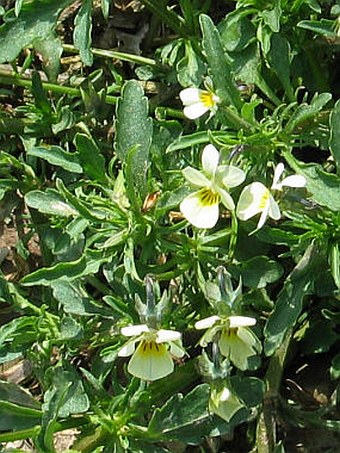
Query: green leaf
(237,30)
(323,27)
(271,17)
(17,7)
(20,328)
(182,418)
(323,186)
(334,140)
(190,69)
(246,66)
(16,417)
(279,58)
(219,66)
(68,386)
(55,155)
(12,393)
(75,300)
(134,129)
(49,202)
(81,207)
(197,138)
(319,337)
(82,32)
(304,111)
(334,261)
(259,271)
(66,396)
(18,409)
(37,19)
(40,97)
(87,264)
(105,5)
(51,49)
(91,158)
(289,302)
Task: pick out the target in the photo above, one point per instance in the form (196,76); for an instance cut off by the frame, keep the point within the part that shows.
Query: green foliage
(19,32)
(139,235)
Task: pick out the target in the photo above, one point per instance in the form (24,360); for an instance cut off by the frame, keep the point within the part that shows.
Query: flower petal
(194,111)
(248,336)
(210,159)
(236,349)
(224,403)
(163,336)
(263,217)
(279,169)
(252,200)
(131,331)
(190,95)
(128,348)
(231,176)
(199,214)
(226,199)
(195,177)
(206,322)
(241,321)
(151,361)
(176,349)
(294,181)
(274,210)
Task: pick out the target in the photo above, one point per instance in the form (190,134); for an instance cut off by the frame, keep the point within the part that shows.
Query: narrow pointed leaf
(219,66)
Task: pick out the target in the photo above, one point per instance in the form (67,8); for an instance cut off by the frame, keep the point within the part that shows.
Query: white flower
(153,357)
(257,198)
(289,181)
(197,102)
(234,338)
(223,402)
(201,208)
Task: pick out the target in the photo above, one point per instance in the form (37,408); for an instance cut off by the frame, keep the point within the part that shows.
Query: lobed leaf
(134,132)
(82,32)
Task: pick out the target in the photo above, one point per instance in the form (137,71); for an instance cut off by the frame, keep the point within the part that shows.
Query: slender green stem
(235,119)
(19,435)
(266,425)
(132,58)
(174,21)
(233,235)
(10,78)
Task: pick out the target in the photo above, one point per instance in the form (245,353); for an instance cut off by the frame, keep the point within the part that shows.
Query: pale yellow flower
(153,357)
(234,338)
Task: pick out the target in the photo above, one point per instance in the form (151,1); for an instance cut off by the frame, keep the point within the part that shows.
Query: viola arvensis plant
(201,208)
(235,340)
(257,198)
(197,102)
(153,357)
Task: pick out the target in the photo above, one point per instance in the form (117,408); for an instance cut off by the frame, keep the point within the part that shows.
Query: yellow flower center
(149,347)
(208,99)
(230,333)
(264,200)
(208,197)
